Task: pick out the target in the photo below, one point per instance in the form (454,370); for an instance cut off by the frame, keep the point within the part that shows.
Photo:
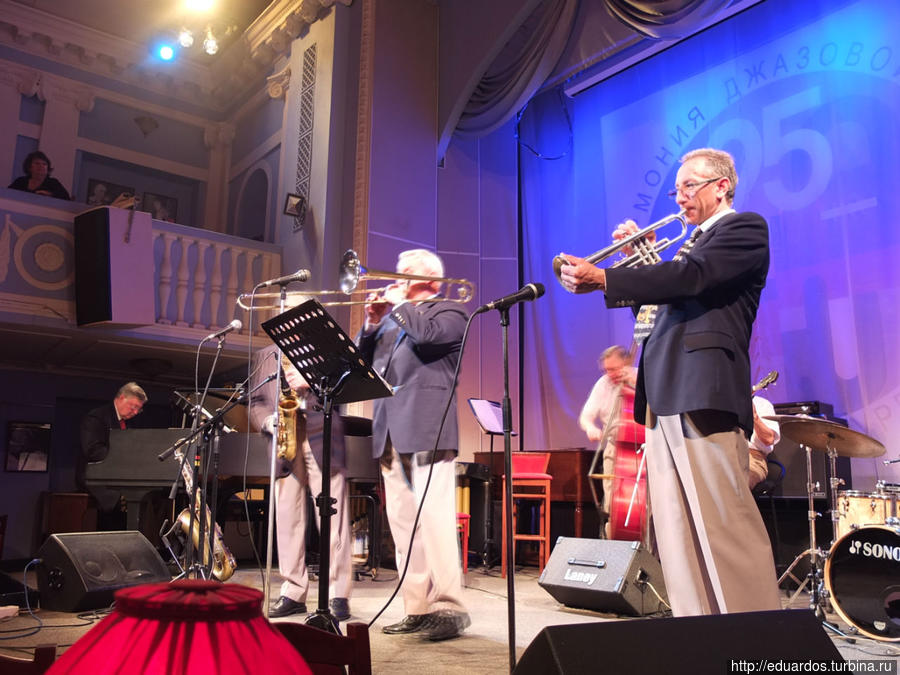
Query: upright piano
(133,468)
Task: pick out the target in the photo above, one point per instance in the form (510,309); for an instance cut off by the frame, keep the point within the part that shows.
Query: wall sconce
(147,125)
(295,205)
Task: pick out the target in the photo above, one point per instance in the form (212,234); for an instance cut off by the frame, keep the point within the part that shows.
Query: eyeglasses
(690,190)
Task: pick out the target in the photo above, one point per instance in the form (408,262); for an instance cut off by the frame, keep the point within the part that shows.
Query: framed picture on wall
(27,446)
(103,193)
(160,207)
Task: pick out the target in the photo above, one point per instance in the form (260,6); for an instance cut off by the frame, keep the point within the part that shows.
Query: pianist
(95,426)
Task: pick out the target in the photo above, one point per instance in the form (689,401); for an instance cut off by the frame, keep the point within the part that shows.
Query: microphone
(299,275)
(234,325)
(527,292)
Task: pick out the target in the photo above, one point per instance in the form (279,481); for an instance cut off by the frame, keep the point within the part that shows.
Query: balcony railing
(197,274)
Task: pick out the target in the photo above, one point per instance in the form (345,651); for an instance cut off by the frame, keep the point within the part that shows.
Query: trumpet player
(693,391)
(301,473)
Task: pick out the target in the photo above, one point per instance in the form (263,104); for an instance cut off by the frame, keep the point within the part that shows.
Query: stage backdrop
(805,95)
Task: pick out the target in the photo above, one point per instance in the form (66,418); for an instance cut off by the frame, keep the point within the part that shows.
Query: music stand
(489,415)
(336,372)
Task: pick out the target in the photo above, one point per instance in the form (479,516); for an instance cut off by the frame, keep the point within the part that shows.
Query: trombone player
(412,336)
(693,391)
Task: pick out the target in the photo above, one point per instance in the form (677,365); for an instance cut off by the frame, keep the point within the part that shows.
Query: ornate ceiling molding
(233,74)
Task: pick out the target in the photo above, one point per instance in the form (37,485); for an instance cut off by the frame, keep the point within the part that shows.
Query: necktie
(646,316)
(121,424)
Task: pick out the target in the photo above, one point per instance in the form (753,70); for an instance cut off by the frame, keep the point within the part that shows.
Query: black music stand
(489,415)
(336,373)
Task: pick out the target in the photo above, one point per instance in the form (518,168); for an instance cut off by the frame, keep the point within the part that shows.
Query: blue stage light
(166,53)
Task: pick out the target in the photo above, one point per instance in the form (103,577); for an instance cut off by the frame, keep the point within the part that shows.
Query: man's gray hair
(425,262)
(719,164)
(134,390)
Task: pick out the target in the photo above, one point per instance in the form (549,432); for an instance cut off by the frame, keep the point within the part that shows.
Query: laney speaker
(82,570)
(690,644)
(604,575)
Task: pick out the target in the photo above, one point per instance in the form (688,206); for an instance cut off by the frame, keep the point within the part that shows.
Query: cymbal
(823,435)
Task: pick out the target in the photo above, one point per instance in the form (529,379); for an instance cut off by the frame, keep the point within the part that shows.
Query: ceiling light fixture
(185,38)
(210,44)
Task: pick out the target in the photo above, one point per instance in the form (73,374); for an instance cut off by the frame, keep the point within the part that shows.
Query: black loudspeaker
(691,644)
(82,570)
(605,576)
(793,457)
(114,267)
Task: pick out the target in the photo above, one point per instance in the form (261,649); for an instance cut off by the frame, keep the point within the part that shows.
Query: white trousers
(434,578)
(713,546)
(290,524)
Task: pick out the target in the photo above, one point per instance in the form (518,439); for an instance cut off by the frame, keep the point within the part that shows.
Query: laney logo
(584,577)
(870,550)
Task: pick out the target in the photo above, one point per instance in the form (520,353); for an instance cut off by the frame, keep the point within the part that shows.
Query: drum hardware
(835,440)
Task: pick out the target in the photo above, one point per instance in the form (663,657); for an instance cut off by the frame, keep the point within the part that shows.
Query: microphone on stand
(234,325)
(527,292)
(299,275)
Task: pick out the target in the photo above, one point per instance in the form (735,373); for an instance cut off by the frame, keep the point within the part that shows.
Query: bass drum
(862,575)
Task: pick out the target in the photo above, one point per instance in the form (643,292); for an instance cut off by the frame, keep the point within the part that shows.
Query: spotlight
(166,53)
(210,44)
(185,38)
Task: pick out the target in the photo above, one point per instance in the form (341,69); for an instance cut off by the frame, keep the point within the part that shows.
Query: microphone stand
(507,468)
(273,457)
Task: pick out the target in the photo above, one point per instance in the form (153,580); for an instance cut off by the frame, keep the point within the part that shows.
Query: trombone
(644,252)
(351,274)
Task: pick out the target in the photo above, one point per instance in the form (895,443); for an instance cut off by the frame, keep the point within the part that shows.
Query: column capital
(218,135)
(277,85)
(52,89)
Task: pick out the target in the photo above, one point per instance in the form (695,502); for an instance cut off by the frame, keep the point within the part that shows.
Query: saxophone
(223,561)
(288,407)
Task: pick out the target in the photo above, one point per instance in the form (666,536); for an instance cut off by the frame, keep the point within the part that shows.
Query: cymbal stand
(816,556)
(817,593)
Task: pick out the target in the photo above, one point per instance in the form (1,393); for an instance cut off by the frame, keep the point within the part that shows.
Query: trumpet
(351,274)
(643,252)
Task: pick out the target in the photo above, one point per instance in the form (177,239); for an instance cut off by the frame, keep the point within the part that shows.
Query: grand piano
(132,466)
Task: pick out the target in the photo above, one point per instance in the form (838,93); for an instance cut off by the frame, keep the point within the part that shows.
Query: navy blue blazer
(697,356)
(415,350)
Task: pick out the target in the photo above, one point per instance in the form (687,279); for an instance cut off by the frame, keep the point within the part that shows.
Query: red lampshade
(190,626)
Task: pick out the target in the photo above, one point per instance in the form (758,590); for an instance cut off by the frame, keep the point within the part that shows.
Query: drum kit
(861,571)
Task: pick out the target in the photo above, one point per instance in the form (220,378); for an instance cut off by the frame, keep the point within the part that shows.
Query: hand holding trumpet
(637,247)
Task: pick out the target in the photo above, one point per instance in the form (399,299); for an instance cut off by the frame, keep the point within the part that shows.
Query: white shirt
(764,409)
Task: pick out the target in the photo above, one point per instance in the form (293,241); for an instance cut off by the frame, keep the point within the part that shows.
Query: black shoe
(340,608)
(445,624)
(285,607)
(411,623)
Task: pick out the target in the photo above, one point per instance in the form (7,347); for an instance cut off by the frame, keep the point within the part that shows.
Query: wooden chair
(462,527)
(327,653)
(530,481)
(44,656)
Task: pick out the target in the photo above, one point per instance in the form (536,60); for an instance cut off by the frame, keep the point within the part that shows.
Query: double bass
(628,502)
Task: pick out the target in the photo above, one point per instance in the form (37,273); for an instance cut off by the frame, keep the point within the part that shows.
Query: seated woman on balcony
(37,168)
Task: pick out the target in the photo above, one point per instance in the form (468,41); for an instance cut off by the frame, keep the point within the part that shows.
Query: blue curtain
(805,96)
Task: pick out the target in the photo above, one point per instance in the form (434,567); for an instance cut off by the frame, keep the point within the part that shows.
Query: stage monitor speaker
(691,644)
(604,575)
(82,570)
(793,457)
(114,275)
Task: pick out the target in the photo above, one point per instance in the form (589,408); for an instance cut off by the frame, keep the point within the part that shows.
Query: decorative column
(14,80)
(218,138)
(59,131)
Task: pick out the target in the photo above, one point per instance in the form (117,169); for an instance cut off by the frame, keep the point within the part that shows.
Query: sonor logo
(583,577)
(870,550)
